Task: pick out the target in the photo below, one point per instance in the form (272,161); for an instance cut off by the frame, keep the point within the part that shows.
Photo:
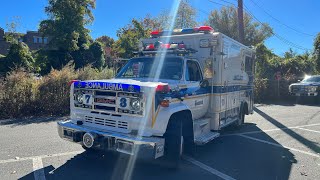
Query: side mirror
(204,83)
(299,80)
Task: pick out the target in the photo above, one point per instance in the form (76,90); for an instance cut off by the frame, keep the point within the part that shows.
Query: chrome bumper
(152,147)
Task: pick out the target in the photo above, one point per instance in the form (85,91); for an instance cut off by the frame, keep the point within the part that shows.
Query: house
(34,39)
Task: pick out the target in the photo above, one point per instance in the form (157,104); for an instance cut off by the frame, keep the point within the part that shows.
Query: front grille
(299,89)
(106,101)
(295,89)
(106,122)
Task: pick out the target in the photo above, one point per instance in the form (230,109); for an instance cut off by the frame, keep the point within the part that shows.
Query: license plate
(125,147)
(297,94)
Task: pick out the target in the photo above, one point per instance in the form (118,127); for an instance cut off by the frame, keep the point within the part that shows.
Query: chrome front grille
(299,89)
(295,89)
(106,122)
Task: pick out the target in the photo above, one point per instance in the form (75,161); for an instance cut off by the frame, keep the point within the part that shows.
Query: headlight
(79,98)
(135,104)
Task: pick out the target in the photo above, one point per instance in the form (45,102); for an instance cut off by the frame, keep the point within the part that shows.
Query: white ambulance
(181,89)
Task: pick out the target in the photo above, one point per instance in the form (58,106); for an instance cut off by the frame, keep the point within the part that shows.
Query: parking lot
(276,142)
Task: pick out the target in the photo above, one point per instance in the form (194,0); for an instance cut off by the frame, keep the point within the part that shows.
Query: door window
(193,71)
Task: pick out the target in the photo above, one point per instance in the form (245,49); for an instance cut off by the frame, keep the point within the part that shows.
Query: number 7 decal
(87,97)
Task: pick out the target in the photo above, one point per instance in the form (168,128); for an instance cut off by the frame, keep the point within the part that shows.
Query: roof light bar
(204,29)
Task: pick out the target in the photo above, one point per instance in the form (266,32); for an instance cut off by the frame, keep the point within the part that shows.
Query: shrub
(24,94)
(17,94)
(260,90)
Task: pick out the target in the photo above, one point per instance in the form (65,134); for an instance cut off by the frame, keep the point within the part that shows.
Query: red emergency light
(162,88)
(155,33)
(205,28)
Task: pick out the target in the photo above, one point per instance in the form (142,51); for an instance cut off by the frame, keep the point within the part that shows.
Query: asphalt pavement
(276,142)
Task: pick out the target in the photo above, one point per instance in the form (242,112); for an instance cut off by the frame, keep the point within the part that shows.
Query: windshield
(147,68)
(312,79)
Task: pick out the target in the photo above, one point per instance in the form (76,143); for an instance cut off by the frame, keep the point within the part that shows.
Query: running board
(205,138)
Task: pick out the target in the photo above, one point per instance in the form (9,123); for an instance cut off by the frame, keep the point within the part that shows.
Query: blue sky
(112,15)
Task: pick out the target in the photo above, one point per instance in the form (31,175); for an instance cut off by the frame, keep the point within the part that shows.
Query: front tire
(241,116)
(173,142)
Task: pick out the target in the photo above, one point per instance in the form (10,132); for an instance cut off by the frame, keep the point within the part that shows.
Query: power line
(216,3)
(284,40)
(294,29)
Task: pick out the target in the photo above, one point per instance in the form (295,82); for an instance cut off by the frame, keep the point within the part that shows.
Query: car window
(193,71)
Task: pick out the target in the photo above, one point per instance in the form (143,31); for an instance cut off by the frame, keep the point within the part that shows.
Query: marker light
(72,81)
(182,46)
(173,46)
(150,47)
(177,30)
(163,88)
(165,46)
(165,103)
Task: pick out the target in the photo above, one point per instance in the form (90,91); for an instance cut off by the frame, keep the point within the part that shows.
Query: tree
(20,56)
(186,16)
(67,22)
(225,21)
(263,54)
(316,46)
(12,36)
(97,56)
(70,39)
(106,41)
(107,44)
(129,37)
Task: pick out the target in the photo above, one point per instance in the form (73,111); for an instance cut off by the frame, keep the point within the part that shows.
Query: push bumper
(152,147)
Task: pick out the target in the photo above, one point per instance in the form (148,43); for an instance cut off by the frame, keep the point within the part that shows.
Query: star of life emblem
(131,88)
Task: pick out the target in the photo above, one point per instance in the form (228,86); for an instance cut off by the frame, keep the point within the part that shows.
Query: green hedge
(266,90)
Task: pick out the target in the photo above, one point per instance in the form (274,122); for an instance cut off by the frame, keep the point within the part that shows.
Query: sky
(294,22)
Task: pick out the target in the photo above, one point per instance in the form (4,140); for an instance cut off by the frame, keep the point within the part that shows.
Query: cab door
(195,97)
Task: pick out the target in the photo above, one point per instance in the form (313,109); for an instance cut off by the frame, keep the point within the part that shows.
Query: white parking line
(38,171)
(280,146)
(207,168)
(270,130)
(42,156)
(309,130)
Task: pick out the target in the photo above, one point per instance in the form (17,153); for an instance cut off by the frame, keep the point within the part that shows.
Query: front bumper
(304,93)
(152,147)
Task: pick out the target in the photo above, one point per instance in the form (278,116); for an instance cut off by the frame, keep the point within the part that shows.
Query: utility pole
(240,21)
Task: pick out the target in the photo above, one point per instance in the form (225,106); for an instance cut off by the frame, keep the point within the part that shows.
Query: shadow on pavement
(26,121)
(243,158)
(113,166)
(312,145)
(235,156)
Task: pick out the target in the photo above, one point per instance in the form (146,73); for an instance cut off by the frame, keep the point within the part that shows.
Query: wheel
(241,116)
(173,147)
(317,99)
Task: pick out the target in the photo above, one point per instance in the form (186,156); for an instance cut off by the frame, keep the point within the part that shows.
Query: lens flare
(156,69)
